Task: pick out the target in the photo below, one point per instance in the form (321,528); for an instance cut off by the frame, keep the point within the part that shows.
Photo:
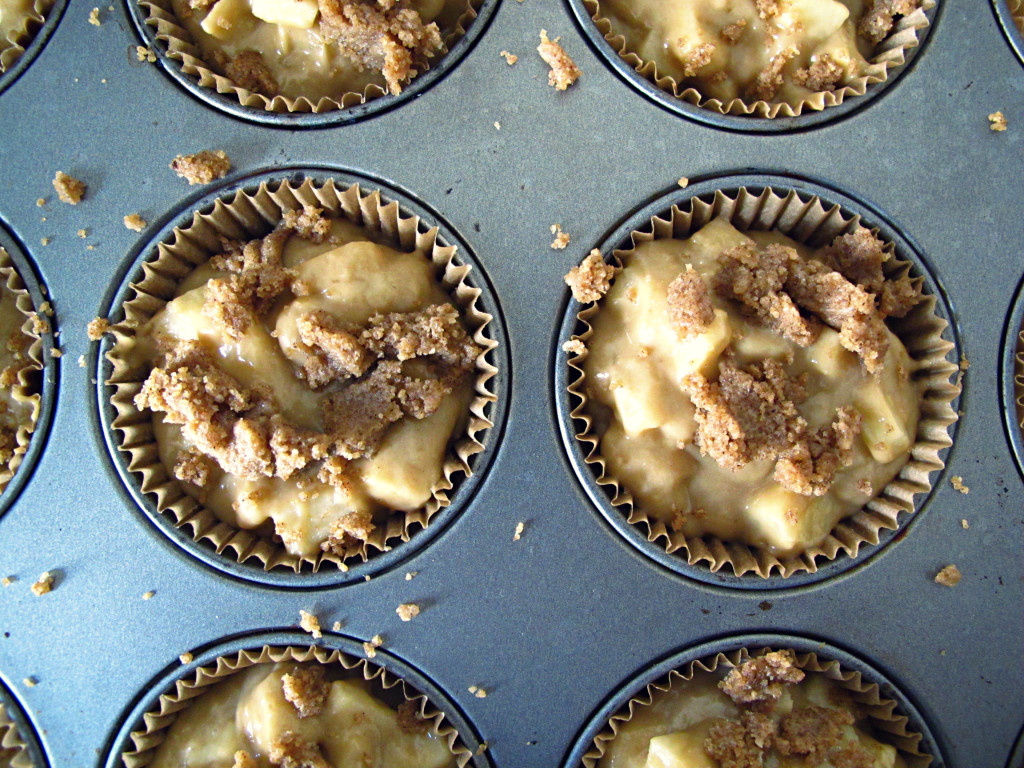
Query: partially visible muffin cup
(158,23)
(809,219)
(889,55)
(139,748)
(25,389)
(17,744)
(249,214)
(891,715)
(13,46)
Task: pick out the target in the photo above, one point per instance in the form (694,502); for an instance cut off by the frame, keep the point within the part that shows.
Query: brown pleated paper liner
(385,685)
(243,217)
(13,46)
(889,54)
(13,749)
(881,712)
(181,48)
(815,223)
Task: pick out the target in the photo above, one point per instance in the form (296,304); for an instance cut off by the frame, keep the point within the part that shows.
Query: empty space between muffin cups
(214,46)
(427,402)
(827,79)
(660,715)
(21,366)
(371,701)
(773,528)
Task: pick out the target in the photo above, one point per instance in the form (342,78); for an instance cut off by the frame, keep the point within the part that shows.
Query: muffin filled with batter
(19,364)
(770,710)
(745,395)
(314,386)
(19,19)
(14,751)
(737,54)
(310,54)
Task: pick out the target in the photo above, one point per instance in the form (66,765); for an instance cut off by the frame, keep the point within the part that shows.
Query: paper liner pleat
(156,722)
(889,54)
(26,386)
(12,48)
(12,744)
(180,47)
(1017,14)
(243,217)
(808,221)
(881,712)
(1018,379)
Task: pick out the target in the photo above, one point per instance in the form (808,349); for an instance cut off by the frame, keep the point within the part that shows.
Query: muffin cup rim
(635,534)
(459,499)
(131,717)
(32,42)
(629,688)
(30,746)
(1011,25)
(1011,377)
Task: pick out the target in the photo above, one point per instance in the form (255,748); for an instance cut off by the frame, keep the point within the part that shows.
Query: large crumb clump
(310,623)
(69,189)
(385,35)
(247,70)
(293,750)
(134,222)
(880,15)
(763,678)
(407,611)
(202,167)
(949,576)
(689,304)
(564,71)
(307,689)
(97,327)
(591,279)
(43,585)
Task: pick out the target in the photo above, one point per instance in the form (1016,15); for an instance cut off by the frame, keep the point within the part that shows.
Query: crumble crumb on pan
(134,222)
(683,182)
(591,279)
(382,35)
(958,484)
(94,17)
(370,648)
(69,189)
(949,576)
(30,682)
(407,611)
(561,238)
(310,623)
(148,595)
(307,689)
(478,691)
(520,527)
(39,325)
(564,71)
(336,626)
(6,581)
(964,524)
(763,678)
(43,584)
(97,327)
(83,233)
(411,575)
(997,122)
(202,167)
(186,658)
(510,58)
(56,352)
(142,53)
(574,347)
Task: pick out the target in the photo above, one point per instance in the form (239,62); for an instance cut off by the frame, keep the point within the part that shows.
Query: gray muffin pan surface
(552,625)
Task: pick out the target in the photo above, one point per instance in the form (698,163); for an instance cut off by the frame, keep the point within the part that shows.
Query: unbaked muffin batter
(283,715)
(755,50)
(308,383)
(744,388)
(764,712)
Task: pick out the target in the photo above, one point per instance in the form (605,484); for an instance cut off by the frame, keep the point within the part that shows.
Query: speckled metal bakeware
(554,624)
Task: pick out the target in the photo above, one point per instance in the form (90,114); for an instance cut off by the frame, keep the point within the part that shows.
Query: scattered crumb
(46,308)
(561,238)
(148,595)
(186,657)
(39,325)
(69,189)
(949,576)
(964,524)
(411,575)
(366,578)
(497,125)
(336,626)
(94,17)
(30,682)
(81,361)
(202,167)
(997,122)
(56,352)
(483,745)
(8,580)
(90,247)
(511,58)
(591,279)
(564,71)
(97,327)
(43,584)
(958,484)
(41,202)
(683,182)
(964,363)
(370,648)
(134,222)
(942,653)
(574,347)
(520,527)
(142,53)
(407,611)
(310,623)
(45,241)
(82,233)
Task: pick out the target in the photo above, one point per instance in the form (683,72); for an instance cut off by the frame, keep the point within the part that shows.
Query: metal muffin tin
(551,625)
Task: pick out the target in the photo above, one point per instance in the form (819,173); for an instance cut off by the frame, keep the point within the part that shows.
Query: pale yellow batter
(351,279)
(248,712)
(634,370)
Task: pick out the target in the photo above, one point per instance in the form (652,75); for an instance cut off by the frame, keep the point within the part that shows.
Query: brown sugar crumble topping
(243,759)
(591,279)
(307,689)
(293,750)
(564,71)
(763,678)
(310,623)
(202,167)
(880,16)
(247,70)
(997,122)
(949,576)
(561,238)
(69,189)
(97,327)
(43,585)
(134,222)
(407,611)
